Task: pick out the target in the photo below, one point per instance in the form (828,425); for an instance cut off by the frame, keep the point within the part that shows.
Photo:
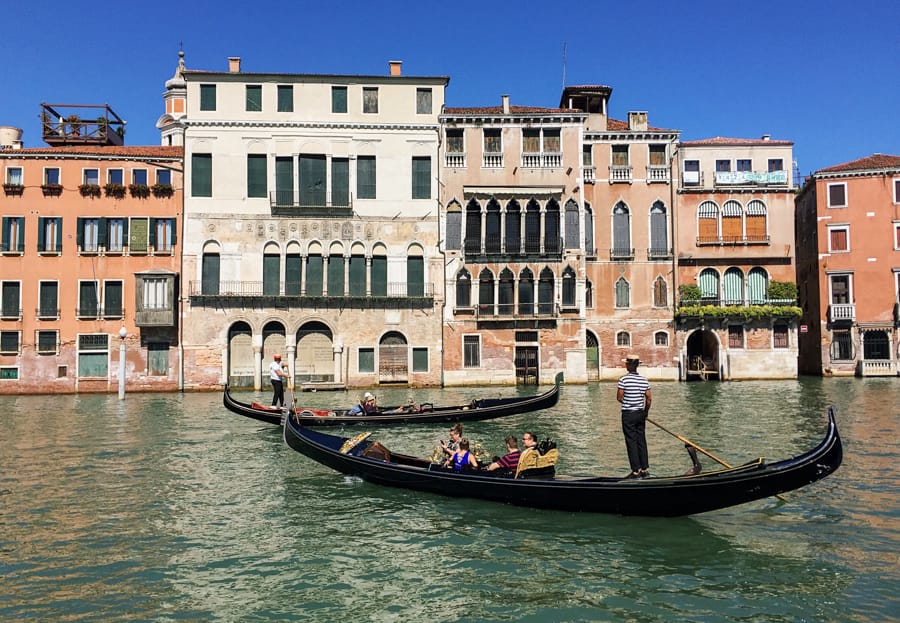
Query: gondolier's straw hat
(277,356)
(632,358)
(367,396)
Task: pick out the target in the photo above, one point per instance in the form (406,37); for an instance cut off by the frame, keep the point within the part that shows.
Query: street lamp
(122,334)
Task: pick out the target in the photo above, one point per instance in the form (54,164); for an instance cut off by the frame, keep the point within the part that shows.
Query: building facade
(848,267)
(735,244)
(90,252)
(311,227)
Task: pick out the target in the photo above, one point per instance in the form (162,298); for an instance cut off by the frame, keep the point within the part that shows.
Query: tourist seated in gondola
(537,460)
(462,459)
(366,405)
(409,407)
(506,465)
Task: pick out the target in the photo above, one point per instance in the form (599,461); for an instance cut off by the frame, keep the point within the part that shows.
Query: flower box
(13,189)
(89,190)
(51,190)
(116,191)
(141,191)
(162,190)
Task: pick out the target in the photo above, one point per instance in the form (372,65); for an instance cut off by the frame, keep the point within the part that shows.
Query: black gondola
(653,496)
(480,409)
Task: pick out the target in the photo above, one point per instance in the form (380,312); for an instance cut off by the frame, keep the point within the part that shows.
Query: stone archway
(241,366)
(393,358)
(702,356)
(315,353)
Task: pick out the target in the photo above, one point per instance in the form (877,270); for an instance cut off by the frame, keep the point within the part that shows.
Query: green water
(169,508)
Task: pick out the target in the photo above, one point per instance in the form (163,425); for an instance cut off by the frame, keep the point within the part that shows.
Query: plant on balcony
(746,313)
(116,191)
(51,190)
(689,294)
(89,190)
(162,190)
(781,291)
(141,191)
(13,189)
(101,127)
(74,122)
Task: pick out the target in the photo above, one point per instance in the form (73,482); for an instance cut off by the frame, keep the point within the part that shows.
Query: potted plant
(689,294)
(141,191)
(116,191)
(101,127)
(51,190)
(162,190)
(74,122)
(89,190)
(13,189)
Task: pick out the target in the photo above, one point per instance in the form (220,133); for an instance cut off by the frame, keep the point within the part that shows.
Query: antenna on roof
(564,65)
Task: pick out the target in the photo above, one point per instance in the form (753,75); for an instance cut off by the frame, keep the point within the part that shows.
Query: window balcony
(842,313)
(761,239)
(47,313)
(691,179)
(878,367)
(541,160)
(621,254)
(455,160)
(259,294)
(10,313)
(492,160)
(660,253)
(494,247)
(657,173)
(288,203)
(620,173)
(751,178)
(589,173)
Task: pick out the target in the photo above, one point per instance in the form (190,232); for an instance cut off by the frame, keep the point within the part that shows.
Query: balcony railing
(589,173)
(620,173)
(10,313)
(732,240)
(47,313)
(494,246)
(288,203)
(455,160)
(621,253)
(842,312)
(521,311)
(717,301)
(83,312)
(660,253)
(492,160)
(292,289)
(657,173)
(691,179)
(541,160)
(877,367)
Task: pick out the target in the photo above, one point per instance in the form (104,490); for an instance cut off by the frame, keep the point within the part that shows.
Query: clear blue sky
(825,75)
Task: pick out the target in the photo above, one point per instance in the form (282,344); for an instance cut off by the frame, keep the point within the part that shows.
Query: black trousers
(634,427)
(277,393)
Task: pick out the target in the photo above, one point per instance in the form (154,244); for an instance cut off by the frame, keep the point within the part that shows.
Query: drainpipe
(441,252)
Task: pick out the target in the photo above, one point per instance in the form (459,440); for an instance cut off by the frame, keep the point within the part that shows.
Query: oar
(690,443)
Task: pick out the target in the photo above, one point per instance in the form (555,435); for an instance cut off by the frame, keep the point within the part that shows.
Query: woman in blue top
(462,458)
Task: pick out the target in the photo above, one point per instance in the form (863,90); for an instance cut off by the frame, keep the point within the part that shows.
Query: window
(493,143)
(209,273)
(568,287)
(158,359)
(155,293)
(660,292)
(732,222)
(691,174)
(735,336)
(455,141)
(838,238)
(313,180)
(589,231)
(744,165)
(621,232)
(335,274)
(370,99)
(733,287)
(780,336)
(10,303)
(162,234)
(842,346)
(661,338)
(486,293)
(546,288)
(9,374)
(837,195)
(315,267)
(379,273)
(657,155)
(587,156)
(46,342)
(513,227)
(423,101)
(876,345)
(112,299)
(164,176)
(256,175)
(93,355)
(207,97)
(9,342)
(623,293)
(365,177)
(707,222)
(896,236)
(49,234)
(91,177)
(505,293)
(588,294)
(620,155)
(756,224)
(88,299)
(51,175)
(709,286)
(420,360)
(415,274)
(897,190)
(775,164)
(271,272)
(88,235)
(338,99)
(366,360)
(471,351)
(659,231)
(138,236)
(48,299)
(623,339)
(841,290)
(14,175)
(340,182)
(116,235)
(723,166)
(201,175)
(421,177)
(285,98)
(293,269)
(115,176)
(454,227)
(573,237)
(526,292)
(139,177)
(254,98)
(757,286)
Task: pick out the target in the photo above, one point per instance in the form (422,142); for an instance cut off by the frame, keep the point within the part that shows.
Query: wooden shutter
(284,181)
(379,275)
(271,274)
(256,175)
(314,275)
(357,275)
(312,180)
(340,182)
(415,276)
(292,267)
(210,274)
(336,275)
(201,175)
(112,298)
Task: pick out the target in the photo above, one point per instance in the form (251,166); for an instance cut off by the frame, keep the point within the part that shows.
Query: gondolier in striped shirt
(634,393)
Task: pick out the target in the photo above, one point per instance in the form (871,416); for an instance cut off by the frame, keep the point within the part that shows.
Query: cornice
(860,173)
(326,125)
(512,119)
(648,135)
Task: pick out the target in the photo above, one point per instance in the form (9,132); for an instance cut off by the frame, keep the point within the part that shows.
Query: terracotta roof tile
(614,125)
(727,141)
(875,161)
(125,151)
(513,110)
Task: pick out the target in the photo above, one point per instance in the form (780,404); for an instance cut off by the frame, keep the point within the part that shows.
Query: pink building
(848,268)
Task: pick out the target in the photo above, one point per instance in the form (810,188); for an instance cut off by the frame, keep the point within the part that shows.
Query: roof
(614,125)
(724,141)
(108,151)
(249,76)
(513,110)
(875,161)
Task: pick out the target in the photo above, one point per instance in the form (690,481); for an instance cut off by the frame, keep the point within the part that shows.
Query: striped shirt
(509,461)
(635,387)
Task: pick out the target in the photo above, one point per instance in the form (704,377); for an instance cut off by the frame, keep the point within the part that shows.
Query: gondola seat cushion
(532,463)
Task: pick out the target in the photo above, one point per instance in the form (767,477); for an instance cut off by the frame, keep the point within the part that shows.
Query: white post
(122,334)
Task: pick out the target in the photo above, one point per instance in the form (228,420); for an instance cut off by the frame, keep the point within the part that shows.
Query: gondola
(480,409)
(665,496)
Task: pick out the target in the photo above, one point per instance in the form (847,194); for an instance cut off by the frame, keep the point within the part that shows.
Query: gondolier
(276,376)
(633,392)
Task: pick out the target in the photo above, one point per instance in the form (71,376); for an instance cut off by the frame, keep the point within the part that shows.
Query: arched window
(552,241)
(623,293)
(492,227)
(621,244)
(486,293)
(588,294)
(589,231)
(379,270)
(505,293)
(454,226)
(623,339)
(573,238)
(758,286)
(708,222)
(734,286)
(532,227)
(545,292)
(336,270)
(732,222)
(271,270)
(661,338)
(473,227)
(415,271)
(463,289)
(660,292)
(314,267)
(709,286)
(568,287)
(659,231)
(209,270)
(293,270)
(357,272)
(757,228)
(513,227)
(526,292)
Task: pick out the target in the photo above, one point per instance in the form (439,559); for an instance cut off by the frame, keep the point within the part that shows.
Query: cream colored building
(311,226)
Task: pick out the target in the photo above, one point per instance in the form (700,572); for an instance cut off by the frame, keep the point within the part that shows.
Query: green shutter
(312,180)
(48,299)
(379,275)
(59,234)
(210,274)
(271,274)
(340,182)
(338,99)
(256,175)
(357,275)
(158,358)
(5,235)
(336,275)
(420,360)
(201,175)
(139,236)
(314,275)
(421,178)
(284,181)
(207,97)
(10,299)
(101,232)
(21,246)
(87,298)
(41,224)
(254,97)
(285,98)
(415,276)
(365,177)
(112,298)
(151,233)
(292,265)
(79,232)
(366,360)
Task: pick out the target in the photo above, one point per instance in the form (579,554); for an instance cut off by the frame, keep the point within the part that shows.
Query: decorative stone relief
(211,227)
(347,231)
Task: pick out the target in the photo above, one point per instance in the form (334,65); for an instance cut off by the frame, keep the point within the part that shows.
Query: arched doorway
(393,358)
(315,353)
(593,356)
(702,356)
(240,355)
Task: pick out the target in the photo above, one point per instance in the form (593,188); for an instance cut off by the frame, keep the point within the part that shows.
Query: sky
(821,74)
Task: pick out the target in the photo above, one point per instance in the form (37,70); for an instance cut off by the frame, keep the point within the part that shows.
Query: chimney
(506,104)
(395,67)
(766,137)
(234,64)
(637,121)
(10,137)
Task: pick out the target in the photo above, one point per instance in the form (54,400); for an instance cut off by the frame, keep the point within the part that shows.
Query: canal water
(166,507)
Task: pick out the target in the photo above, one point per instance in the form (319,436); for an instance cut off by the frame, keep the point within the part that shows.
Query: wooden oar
(690,443)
